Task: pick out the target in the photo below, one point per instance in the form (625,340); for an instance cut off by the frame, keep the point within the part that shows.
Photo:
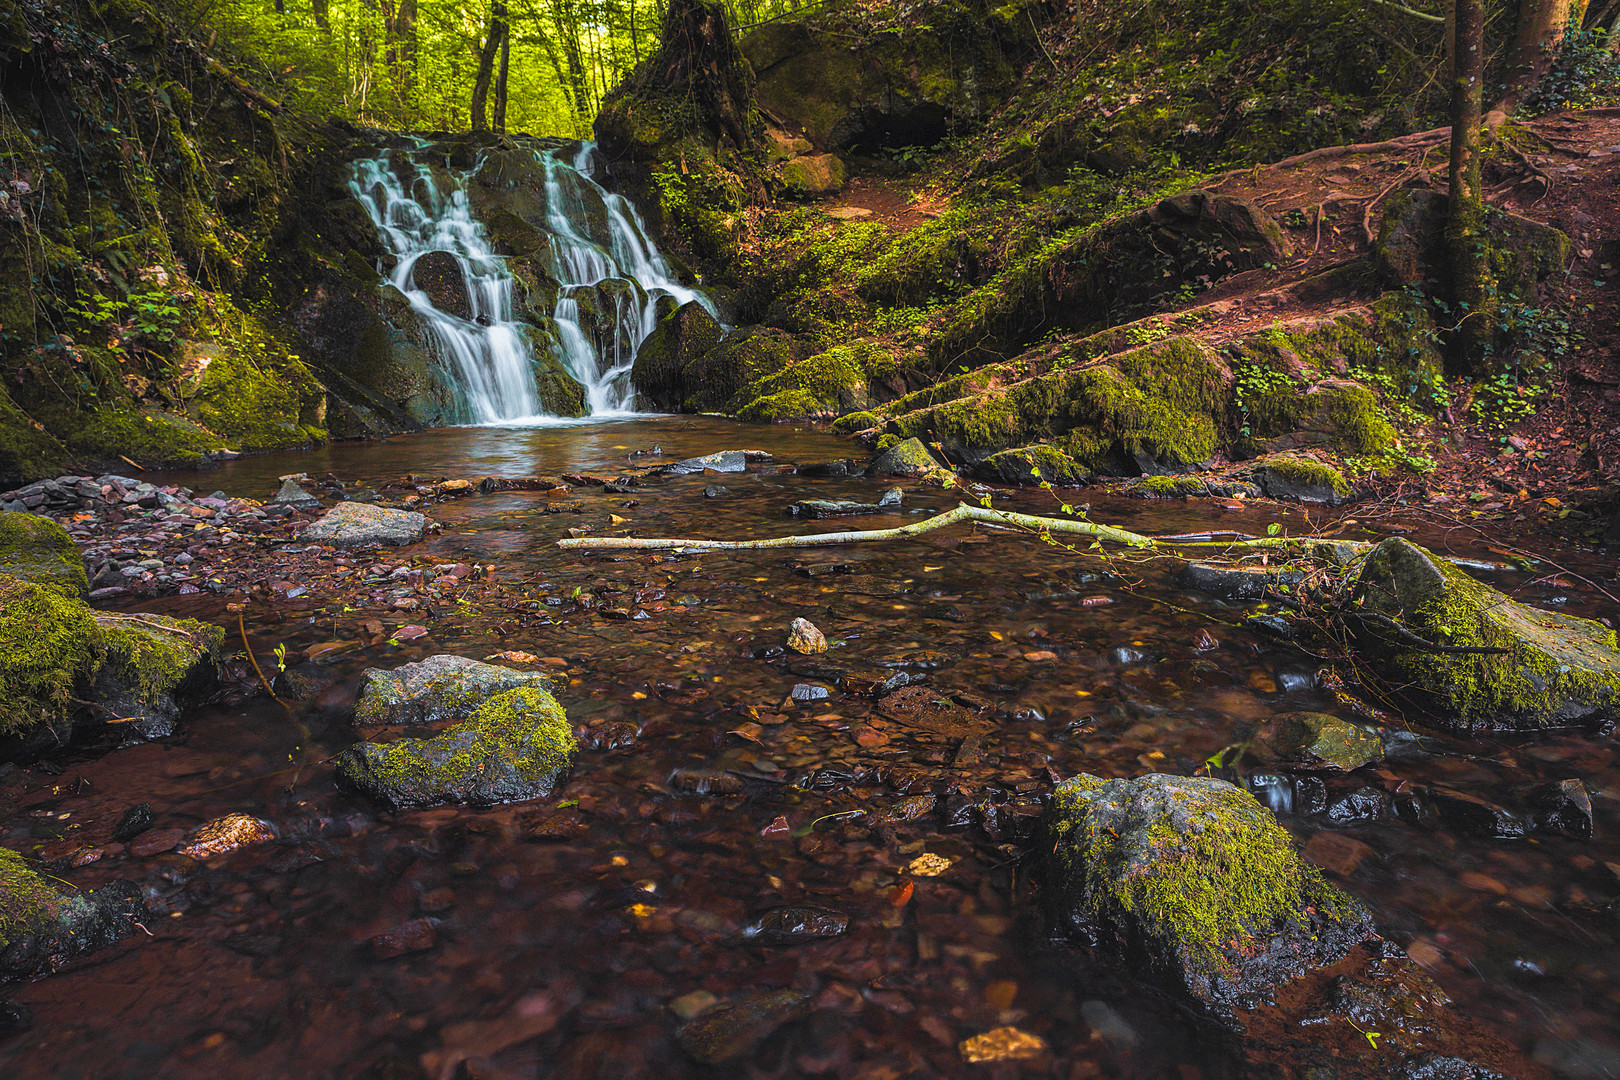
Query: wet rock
(833,470)
(1196,879)
(1563,806)
(136,820)
(809,693)
(443,687)
(352,524)
(795,925)
(724,461)
(224,835)
(1272,625)
(517,745)
(1031,466)
(908,458)
(879,686)
(1364,804)
(153,668)
(1235,583)
(1317,741)
(291,495)
(1302,479)
(1001,1044)
(826,508)
(42,930)
(38,550)
(439,274)
(734,1030)
(1476,816)
(417,935)
(1441,1067)
(804,637)
(715,491)
(156,842)
(1547,670)
(15,1019)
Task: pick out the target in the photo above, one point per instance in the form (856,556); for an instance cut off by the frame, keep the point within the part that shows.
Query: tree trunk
(400,21)
(486,64)
(1466,247)
(321,19)
(1540,29)
(500,82)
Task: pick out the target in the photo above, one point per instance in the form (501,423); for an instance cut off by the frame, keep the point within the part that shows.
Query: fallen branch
(962,513)
(146,622)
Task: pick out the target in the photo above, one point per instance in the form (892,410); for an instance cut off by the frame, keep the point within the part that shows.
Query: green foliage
(1255,388)
(1584,73)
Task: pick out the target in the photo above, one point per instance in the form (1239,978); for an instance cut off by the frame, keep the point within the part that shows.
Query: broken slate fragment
(294,496)
(723,461)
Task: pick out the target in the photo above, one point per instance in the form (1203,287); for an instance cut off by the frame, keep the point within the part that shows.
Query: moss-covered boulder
(907,458)
(48,652)
(516,745)
(1195,880)
(681,336)
(152,668)
(1475,658)
(714,378)
(828,384)
(38,550)
(1031,466)
(443,687)
(26,451)
(814,175)
(42,929)
(1302,479)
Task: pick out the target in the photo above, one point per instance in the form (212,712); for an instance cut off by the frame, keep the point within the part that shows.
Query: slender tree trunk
(1469,257)
(399,19)
(486,64)
(321,18)
(500,82)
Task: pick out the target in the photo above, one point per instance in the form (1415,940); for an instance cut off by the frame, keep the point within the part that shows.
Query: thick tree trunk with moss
(1466,247)
(1540,28)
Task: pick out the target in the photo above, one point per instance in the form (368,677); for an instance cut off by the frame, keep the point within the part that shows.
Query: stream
(567,933)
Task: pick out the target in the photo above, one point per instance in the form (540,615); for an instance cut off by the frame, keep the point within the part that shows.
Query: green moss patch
(829,383)
(154,663)
(27,903)
(38,550)
(48,650)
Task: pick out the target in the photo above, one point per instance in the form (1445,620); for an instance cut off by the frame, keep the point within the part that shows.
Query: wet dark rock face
(82,925)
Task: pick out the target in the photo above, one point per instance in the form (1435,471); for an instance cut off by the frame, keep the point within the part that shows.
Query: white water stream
(602,257)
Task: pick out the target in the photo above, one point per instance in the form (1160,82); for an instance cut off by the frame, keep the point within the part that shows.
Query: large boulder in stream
(680,337)
(517,745)
(443,687)
(439,274)
(43,929)
(1476,659)
(1196,881)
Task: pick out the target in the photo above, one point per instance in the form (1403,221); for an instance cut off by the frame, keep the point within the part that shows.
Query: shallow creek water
(603,905)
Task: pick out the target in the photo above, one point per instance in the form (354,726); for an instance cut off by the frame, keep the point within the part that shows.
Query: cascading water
(611,281)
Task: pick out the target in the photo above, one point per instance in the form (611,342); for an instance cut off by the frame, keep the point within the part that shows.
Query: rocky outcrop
(1475,658)
(516,745)
(681,336)
(1194,880)
(43,929)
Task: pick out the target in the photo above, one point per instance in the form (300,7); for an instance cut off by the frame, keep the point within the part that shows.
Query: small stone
(352,524)
(156,842)
(928,865)
(736,1029)
(1002,1044)
(715,491)
(414,936)
(136,820)
(410,633)
(226,834)
(693,1005)
(796,924)
(804,637)
(294,496)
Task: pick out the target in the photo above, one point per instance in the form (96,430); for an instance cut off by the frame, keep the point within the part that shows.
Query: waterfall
(611,281)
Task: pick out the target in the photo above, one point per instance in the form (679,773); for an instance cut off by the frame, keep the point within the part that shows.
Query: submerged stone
(1313,740)
(733,1030)
(37,549)
(517,745)
(1195,879)
(1535,668)
(353,524)
(1238,583)
(826,508)
(804,637)
(795,925)
(443,687)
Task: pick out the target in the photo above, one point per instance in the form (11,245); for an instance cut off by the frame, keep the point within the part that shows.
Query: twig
(1366,213)
(1423,16)
(137,464)
(145,622)
(241,625)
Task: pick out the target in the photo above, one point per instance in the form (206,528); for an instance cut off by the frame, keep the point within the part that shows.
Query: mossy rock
(49,648)
(38,550)
(1194,879)
(827,384)
(681,336)
(907,458)
(154,667)
(1027,466)
(255,396)
(1552,670)
(855,421)
(1302,479)
(42,928)
(714,378)
(557,389)
(443,687)
(814,175)
(1315,741)
(1167,487)
(517,745)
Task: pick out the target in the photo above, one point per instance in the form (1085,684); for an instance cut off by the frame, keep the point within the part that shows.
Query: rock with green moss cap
(1531,669)
(43,929)
(443,687)
(1030,466)
(1316,741)
(48,649)
(1302,479)
(907,458)
(815,175)
(39,550)
(1195,880)
(517,745)
(152,668)
(680,337)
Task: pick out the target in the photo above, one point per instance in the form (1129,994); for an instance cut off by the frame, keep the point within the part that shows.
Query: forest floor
(1562,170)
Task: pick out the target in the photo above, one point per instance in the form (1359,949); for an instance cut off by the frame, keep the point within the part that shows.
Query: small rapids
(600,258)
